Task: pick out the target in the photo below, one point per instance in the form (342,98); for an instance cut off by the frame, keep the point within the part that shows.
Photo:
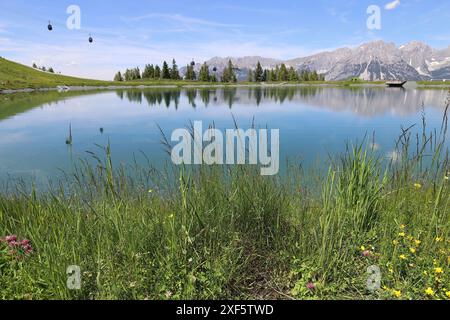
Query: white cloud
(392,5)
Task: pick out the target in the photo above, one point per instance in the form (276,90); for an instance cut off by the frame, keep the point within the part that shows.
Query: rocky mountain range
(376,60)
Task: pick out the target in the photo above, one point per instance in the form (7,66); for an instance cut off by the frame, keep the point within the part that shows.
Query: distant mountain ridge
(376,60)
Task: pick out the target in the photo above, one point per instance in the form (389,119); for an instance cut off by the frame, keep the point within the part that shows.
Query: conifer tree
(204,73)
(165,71)
(174,73)
(259,73)
(118,77)
(157,73)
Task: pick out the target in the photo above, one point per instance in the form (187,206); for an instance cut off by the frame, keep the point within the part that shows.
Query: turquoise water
(313,122)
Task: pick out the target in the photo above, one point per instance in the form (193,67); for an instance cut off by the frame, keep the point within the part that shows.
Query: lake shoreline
(202,86)
(187,86)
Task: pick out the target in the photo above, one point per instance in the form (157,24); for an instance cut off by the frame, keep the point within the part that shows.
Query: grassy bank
(229,233)
(15,76)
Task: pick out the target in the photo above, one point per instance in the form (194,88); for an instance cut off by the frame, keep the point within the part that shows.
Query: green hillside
(17,76)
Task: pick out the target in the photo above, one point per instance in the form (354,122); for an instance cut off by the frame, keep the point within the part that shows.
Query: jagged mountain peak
(376,60)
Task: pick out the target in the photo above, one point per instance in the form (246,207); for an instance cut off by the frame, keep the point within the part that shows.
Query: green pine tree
(165,71)
(174,73)
(204,73)
(157,73)
(118,77)
(259,73)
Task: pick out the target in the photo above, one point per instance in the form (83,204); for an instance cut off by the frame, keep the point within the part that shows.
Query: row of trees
(155,72)
(282,73)
(279,73)
(43,68)
(151,72)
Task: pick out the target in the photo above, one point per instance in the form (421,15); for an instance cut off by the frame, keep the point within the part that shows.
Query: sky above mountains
(134,32)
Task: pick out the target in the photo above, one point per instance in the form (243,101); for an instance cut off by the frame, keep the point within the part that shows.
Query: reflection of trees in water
(361,101)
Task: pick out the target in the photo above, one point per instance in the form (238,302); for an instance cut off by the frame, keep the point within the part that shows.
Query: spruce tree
(165,71)
(204,73)
(259,73)
(118,77)
(157,73)
(283,73)
(174,73)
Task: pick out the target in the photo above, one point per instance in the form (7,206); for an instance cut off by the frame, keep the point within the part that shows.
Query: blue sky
(132,33)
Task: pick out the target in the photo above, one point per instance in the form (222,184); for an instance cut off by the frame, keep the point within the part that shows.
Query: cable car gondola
(50,27)
(215,69)
(91,39)
(193,63)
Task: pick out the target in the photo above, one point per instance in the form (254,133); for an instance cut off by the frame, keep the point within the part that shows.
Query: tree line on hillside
(206,74)
(43,68)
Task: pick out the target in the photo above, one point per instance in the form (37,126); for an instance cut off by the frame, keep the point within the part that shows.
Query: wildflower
(10,239)
(391,270)
(417,186)
(448,294)
(417,242)
(439,239)
(438,271)
(402,257)
(395,242)
(402,227)
(429,292)
(412,250)
(397,293)
(310,286)
(171,216)
(446,178)
(150,191)
(367,254)
(402,234)
(363,248)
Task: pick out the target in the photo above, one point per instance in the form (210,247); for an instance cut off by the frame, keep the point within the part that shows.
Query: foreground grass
(220,232)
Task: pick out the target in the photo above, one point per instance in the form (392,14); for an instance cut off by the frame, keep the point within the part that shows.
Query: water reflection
(313,121)
(368,102)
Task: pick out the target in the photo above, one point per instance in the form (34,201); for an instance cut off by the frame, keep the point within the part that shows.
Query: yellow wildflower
(363,248)
(417,242)
(446,178)
(417,186)
(397,293)
(150,190)
(429,292)
(402,226)
(438,271)
(395,242)
(448,294)
(171,216)
(412,250)
(402,257)
(439,239)
(402,234)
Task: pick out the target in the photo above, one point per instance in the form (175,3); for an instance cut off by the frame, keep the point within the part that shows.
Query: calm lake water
(313,122)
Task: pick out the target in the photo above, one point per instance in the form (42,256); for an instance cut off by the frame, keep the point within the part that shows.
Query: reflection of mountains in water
(361,101)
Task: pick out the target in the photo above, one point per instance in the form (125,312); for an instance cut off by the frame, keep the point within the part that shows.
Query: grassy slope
(17,76)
